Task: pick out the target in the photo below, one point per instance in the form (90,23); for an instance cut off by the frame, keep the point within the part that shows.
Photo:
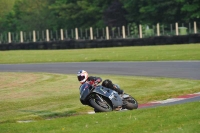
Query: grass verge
(39,96)
(145,53)
(182,118)
(42,97)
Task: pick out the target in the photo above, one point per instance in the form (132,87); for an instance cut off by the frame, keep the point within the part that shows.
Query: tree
(191,9)
(80,13)
(114,15)
(32,15)
(154,11)
(6,7)
(133,10)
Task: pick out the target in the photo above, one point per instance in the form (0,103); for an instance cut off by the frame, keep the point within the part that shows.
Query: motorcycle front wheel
(101,104)
(130,103)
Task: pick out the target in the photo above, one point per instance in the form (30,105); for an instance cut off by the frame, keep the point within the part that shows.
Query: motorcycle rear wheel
(101,106)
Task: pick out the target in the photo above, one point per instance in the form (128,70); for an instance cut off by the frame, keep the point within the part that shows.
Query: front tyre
(101,104)
(130,103)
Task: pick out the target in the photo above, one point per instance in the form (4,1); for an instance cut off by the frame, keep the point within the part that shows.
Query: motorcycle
(103,99)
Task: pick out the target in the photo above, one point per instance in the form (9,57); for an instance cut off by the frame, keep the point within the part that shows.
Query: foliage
(191,9)
(33,15)
(133,29)
(5,14)
(84,13)
(114,15)
(153,11)
(5,6)
(27,15)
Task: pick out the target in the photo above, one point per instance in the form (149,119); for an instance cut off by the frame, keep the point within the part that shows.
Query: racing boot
(108,83)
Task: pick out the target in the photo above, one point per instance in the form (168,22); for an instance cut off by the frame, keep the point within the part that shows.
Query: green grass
(52,99)
(182,118)
(145,53)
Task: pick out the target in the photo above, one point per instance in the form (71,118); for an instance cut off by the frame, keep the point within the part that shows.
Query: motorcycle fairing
(84,91)
(109,93)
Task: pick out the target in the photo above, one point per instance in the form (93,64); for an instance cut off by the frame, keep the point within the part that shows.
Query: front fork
(100,98)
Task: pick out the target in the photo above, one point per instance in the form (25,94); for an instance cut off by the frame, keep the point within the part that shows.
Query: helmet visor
(80,78)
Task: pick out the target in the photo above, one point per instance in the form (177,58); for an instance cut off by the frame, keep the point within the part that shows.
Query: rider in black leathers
(83,77)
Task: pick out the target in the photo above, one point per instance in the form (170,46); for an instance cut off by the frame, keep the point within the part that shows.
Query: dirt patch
(13,80)
(16,85)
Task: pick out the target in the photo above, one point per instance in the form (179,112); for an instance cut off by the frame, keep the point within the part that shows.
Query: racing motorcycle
(103,99)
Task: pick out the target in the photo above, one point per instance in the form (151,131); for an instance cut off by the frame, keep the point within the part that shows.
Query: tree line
(27,15)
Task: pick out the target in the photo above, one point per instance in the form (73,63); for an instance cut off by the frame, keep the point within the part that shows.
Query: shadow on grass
(50,115)
(41,115)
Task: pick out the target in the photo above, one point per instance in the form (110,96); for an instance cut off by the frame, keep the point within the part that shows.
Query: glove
(98,80)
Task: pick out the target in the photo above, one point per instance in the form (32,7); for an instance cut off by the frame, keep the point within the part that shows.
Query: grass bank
(145,53)
(48,101)
(182,118)
(39,96)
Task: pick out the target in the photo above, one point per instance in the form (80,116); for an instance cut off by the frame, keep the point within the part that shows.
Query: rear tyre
(101,106)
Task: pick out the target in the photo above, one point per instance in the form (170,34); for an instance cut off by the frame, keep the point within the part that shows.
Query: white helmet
(82,76)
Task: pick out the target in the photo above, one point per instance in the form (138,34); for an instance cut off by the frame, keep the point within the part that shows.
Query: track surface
(179,69)
(173,69)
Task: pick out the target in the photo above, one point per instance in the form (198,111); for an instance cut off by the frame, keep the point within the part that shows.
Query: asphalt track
(171,69)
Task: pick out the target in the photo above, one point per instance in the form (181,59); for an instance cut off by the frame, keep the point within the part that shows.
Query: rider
(83,77)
